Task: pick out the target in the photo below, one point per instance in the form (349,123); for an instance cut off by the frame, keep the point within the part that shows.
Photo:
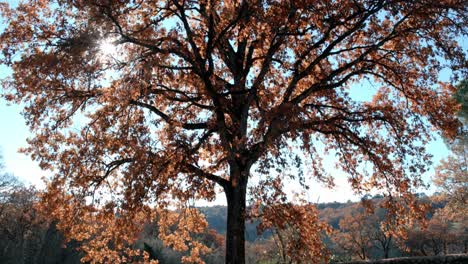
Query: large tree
(142,103)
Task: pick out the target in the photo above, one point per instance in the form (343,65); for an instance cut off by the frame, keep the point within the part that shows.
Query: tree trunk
(423,251)
(235,235)
(386,253)
(387,245)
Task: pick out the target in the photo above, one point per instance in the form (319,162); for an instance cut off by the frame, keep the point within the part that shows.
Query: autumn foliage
(139,106)
(296,228)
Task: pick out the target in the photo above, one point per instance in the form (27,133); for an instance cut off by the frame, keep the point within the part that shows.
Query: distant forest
(29,237)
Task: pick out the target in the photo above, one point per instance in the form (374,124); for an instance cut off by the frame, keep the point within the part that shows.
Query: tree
(295,241)
(383,239)
(365,231)
(20,223)
(461,95)
(432,240)
(150,102)
(355,235)
(452,178)
(21,227)
(27,235)
(383,233)
(443,234)
(8,183)
(452,174)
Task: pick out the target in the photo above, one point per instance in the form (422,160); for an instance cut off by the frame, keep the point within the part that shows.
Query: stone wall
(449,259)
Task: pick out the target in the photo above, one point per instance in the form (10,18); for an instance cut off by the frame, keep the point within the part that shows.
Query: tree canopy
(138,104)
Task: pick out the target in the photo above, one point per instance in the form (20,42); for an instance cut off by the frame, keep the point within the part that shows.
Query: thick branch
(221,181)
(165,117)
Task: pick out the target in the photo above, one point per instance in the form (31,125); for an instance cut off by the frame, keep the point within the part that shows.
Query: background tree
(25,234)
(159,101)
(431,240)
(460,232)
(383,233)
(415,243)
(366,232)
(461,95)
(8,183)
(452,174)
(355,235)
(452,178)
(294,226)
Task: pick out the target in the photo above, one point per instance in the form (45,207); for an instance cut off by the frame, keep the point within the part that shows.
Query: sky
(14,132)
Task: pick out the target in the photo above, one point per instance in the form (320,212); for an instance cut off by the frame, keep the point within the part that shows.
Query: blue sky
(13,134)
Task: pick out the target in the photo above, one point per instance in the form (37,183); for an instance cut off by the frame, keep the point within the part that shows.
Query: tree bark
(235,235)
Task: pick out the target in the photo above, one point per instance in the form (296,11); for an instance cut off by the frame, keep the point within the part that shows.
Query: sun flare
(107,47)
